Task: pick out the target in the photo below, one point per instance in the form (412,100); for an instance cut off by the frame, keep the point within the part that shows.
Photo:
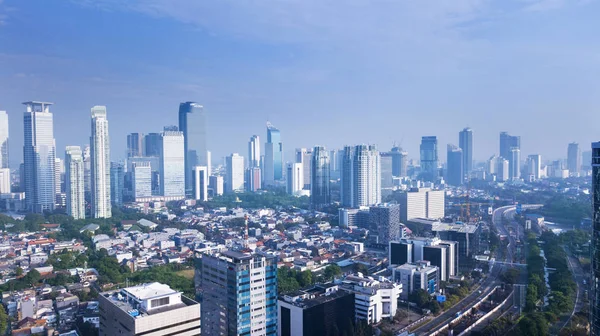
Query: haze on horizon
(322,72)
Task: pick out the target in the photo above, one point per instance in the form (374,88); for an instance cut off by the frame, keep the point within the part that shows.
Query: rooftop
(314,296)
(462,228)
(150,290)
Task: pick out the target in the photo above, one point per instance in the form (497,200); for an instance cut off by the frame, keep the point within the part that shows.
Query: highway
(508,212)
(578,275)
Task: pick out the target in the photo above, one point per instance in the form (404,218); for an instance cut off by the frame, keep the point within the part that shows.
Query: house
(147,224)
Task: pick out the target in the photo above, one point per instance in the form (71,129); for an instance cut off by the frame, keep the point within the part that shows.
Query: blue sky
(325,72)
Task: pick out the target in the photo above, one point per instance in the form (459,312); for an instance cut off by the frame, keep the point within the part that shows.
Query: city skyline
(299,77)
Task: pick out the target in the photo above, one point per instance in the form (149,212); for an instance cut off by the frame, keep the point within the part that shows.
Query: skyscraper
(320,193)
(240,294)
(387,176)
(4,163)
(361,176)
(135,144)
(273,165)
(455,170)
(295,178)
(254,152)
(141,180)
(100,164)
(399,162)
(574,159)
(502,170)
(117,181)
(465,142)
(152,144)
(39,153)
(334,164)
(429,158)
(192,122)
(514,164)
(534,165)
(253,179)
(74,182)
(172,165)
(507,142)
(201,183)
(235,173)
(595,285)
(304,156)
(87,171)
(385,220)
(491,166)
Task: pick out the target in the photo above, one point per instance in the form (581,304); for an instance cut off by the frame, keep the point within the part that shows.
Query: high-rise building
(422,203)
(320,193)
(254,151)
(117,181)
(374,300)
(216,184)
(514,164)
(5,185)
(59,171)
(304,156)
(361,176)
(209,163)
(273,164)
(87,171)
(507,142)
(253,179)
(240,294)
(295,178)
(74,182)
(385,220)
(491,165)
(100,164)
(201,183)
(586,160)
(192,122)
(455,169)
(419,275)
(148,309)
(465,142)
(334,164)
(135,144)
(595,246)
(152,144)
(429,158)
(141,180)
(574,159)
(502,170)
(387,175)
(39,153)
(399,162)
(534,165)
(235,173)
(4,163)
(320,310)
(172,164)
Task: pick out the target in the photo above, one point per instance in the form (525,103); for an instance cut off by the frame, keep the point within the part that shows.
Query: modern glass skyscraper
(429,158)
(100,164)
(465,142)
(387,173)
(39,154)
(117,182)
(254,152)
(595,285)
(574,159)
(4,140)
(273,165)
(239,294)
(152,144)
(192,122)
(507,142)
(399,162)
(74,181)
(172,164)
(514,164)
(455,170)
(135,144)
(320,193)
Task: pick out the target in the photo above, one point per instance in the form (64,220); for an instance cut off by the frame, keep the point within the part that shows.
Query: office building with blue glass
(192,122)
(273,164)
(239,294)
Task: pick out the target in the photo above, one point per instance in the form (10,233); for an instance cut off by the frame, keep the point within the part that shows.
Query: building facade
(235,173)
(254,152)
(455,170)
(465,142)
(201,183)
(192,124)
(422,203)
(172,164)
(135,144)
(74,182)
(100,164)
(4,162)
(239,294)
(253,179)
(295,178)
(117,182)
(273,162)
(39,154)
(507,142)
(399,162)
(429,158)
(574,159)
(141,180)
(385,220)
(320,193)
(595,244)
(361,176)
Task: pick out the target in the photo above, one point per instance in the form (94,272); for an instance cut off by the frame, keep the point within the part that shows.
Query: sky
(324,72)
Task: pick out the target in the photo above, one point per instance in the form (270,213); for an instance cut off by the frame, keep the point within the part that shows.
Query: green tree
(332,271)
(19,271)
(362,268)
(305,278)
(420,297)
(3,320)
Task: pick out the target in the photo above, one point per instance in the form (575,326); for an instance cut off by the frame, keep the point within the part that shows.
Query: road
(578,276)
(509,212)
(443,319)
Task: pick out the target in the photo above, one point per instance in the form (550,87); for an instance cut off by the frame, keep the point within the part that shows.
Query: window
(159,302)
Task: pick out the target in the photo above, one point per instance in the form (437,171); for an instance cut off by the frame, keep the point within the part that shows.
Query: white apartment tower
(295,178)
(39,153)
(100,164)
(254,152)
(3,139)
(74,182)
(200,182)
(235,173)
(172,164)
(142,179)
